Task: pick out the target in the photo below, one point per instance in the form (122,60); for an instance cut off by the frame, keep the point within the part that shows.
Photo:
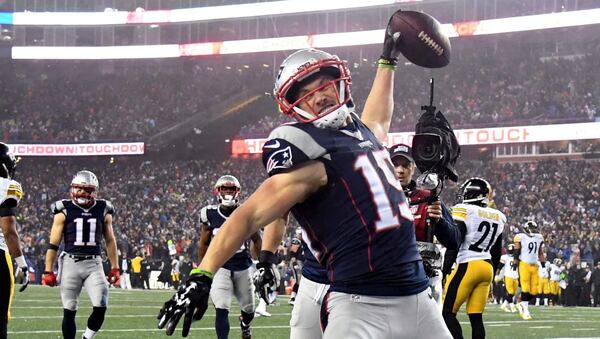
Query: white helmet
(84,188)
(227,190)
(301,65)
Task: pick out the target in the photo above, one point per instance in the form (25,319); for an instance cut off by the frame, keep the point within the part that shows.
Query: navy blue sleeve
(446,230)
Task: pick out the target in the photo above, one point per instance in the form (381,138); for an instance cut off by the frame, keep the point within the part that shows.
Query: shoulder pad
(14,193)
(204,214)
(459,212)
(58,207)
(289,145)
(109,209)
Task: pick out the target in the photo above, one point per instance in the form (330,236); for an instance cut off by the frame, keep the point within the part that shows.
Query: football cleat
(513,308)
(505,307)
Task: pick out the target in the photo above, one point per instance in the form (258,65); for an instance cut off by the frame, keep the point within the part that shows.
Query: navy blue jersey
(84,227)
(214,217)
(358,226)
(312,269)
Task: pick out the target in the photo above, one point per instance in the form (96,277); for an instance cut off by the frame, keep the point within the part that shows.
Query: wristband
(267,257)
(52,247)
(21,261)
(196,271)
(387,63)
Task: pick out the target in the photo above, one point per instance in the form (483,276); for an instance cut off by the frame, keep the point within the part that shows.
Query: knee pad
(96,319)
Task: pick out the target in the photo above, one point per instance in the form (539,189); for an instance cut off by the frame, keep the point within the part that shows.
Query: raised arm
(377,114)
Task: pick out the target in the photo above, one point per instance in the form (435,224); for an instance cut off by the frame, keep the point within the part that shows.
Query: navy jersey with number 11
(84,227)
(359,225)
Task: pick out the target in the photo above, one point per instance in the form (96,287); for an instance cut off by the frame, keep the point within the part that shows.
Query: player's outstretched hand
(190,300)
(391,40)
(49,279)
(266,278)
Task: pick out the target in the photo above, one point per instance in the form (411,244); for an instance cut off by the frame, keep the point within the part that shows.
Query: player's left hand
(390,51)
(22,268)
(25,282)
(191,300)
(114,276)
(434,211)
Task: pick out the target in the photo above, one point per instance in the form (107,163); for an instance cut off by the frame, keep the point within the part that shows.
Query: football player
(556,268)
(10,244)
(477,258)
(234,277)
(509,269)
(431,219)
(332,172)
(295,259)
(81,223)
(544,284)
(528,245)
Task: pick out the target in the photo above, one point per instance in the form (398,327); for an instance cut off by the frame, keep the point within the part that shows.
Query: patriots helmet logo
(280,159)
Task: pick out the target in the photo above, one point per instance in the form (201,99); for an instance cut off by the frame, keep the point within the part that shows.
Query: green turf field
(37,313)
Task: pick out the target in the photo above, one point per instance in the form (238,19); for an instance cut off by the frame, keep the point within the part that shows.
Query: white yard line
(141,330)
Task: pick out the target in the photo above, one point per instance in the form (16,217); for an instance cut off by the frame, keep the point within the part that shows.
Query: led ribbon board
(483,27)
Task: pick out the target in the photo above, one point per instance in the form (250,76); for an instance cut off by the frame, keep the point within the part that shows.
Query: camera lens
(428,152)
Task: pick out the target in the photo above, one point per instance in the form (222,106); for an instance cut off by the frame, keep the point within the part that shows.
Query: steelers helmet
(476,191)
(510,249)
(227,189)
(530,227)
(8,162)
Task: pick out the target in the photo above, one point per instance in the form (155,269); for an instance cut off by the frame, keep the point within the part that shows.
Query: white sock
(262,306)
(89,334)
(525,305)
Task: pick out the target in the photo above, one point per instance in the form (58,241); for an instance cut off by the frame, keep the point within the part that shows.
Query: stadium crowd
(89,103)
(487,96)
(159,202)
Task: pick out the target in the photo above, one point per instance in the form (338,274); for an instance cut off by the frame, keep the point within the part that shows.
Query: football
(422,40)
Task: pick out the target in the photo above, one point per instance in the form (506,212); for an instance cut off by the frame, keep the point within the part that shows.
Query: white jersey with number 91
(484,226)
(530,246)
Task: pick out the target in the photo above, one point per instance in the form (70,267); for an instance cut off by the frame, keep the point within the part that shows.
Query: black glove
(266,278)
(191,299)
(390,42)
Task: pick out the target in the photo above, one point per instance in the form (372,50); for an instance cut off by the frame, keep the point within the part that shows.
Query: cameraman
(444,228)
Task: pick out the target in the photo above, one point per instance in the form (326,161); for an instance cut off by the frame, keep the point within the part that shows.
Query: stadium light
(461,29)
(111,16)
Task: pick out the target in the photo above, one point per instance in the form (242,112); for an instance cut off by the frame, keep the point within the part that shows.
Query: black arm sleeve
(7,211)
(449,259)
(451,254)
(496,252)
(447,232)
